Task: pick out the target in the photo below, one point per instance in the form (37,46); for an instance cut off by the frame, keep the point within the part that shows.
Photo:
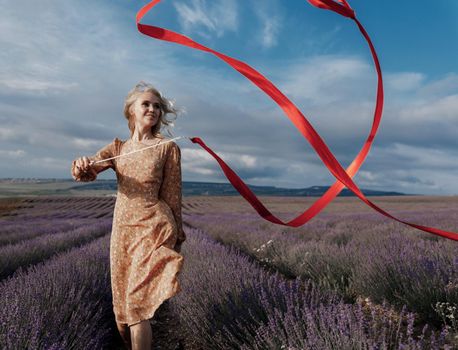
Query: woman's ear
(131,110)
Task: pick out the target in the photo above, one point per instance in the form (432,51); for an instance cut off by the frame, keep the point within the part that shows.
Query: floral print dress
(147,225)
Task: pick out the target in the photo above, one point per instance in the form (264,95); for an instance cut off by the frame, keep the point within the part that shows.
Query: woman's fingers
(83,163)
(86,163)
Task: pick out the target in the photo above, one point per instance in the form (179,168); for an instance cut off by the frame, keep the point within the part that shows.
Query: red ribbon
(298,119)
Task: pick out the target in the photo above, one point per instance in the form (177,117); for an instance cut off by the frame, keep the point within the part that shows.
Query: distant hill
(221,189)
(11,187)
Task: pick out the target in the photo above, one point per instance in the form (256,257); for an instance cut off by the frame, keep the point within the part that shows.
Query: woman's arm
(170,190)
(82,172)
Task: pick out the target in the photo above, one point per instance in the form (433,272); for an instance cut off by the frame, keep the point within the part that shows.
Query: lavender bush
(268,288)
(344,326)
(357,254)
(40,248)
(15,231)
(55,207)
(230,302)
(407,271)
(64,303)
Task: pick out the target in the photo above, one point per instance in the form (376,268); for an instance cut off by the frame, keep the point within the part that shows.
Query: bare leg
(142,337)
(124,331)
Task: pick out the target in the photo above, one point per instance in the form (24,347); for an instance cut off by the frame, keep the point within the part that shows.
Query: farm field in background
(350,278)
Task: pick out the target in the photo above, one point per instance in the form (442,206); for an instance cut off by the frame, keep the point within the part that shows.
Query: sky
(66,67)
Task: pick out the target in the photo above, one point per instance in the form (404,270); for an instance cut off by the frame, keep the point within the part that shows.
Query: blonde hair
(167,107)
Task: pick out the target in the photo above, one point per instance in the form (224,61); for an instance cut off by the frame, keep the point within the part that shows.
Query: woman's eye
(157,105)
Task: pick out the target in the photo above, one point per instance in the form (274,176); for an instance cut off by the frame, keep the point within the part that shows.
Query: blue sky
(66,67)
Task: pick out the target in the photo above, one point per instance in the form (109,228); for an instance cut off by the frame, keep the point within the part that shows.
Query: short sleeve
(107,151)
(170,190)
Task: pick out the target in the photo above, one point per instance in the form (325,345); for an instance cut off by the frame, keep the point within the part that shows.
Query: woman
(147,232)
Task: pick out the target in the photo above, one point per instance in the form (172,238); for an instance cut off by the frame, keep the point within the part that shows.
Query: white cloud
(195,155)
(36,86)
(269,16)
(85,144)
(200,171)
(12,154)
(248,161)
(326,79)
(367,176)
(444,109)
(60,47)
(404,81)
(215,16)
(7,134)
(424,157)
(439,87)
(52,164)
(197,160)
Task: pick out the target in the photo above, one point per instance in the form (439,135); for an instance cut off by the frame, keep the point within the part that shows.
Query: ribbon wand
(138,150)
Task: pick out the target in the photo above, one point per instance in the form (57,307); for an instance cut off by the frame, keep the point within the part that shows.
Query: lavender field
(349,279)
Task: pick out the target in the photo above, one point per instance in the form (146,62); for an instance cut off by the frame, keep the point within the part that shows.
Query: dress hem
(151,315)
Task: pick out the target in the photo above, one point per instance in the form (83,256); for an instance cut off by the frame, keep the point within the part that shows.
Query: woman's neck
(140,135)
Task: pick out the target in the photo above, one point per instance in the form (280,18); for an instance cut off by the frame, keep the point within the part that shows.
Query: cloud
(405,181)
(37,51)
(199,159)
(442,110)
(12,154)
(36,86)
(204,17)
(269,15)
(7,134)
(423,157)
(439,87)
(411,169)
(326,78)
(404,81)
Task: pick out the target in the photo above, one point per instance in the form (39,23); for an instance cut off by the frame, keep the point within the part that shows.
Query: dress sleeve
(106,152)
(170,190)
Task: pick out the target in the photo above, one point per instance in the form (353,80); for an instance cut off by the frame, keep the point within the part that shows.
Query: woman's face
(146,110)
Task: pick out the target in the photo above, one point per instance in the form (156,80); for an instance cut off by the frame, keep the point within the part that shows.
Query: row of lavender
(62,303)
(54,274)
(227,302)
(362,256)
(60,207)
(31,251)
(230,302)
(38,228)
(50,243)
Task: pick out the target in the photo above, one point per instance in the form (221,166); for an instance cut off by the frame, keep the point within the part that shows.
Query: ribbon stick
(343,176)
(138,150)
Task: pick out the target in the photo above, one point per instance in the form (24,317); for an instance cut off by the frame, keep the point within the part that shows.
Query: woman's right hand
(84,164)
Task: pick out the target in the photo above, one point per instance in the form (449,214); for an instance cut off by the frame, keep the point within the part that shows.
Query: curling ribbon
(344,177)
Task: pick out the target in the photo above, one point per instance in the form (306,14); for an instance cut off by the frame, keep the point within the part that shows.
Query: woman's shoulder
(172,145)
(116,145)
(168,142)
